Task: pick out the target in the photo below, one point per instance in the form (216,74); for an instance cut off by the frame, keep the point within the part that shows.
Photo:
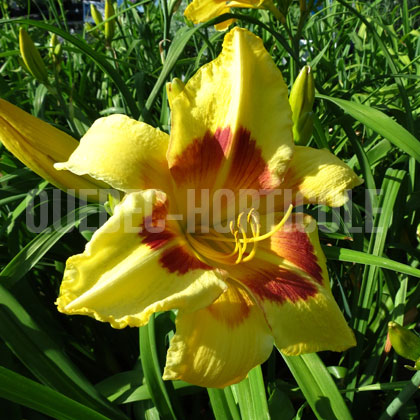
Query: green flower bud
(53,41)
(174,6)
(32,58)
(96,15)
(404,341)
(302,97)
(110,25)
(56,48)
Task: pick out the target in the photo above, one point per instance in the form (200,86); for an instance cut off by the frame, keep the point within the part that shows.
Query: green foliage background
(366,60)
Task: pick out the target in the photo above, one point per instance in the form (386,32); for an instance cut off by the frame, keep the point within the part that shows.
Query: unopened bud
(31,57)
(56,49)
(174,6)
(173,89)
(53,41)
(302,97)
(96,14)
(110,24)
(404,341)
(269,5)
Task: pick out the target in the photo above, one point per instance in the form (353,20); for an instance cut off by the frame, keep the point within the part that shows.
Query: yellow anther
(205,244)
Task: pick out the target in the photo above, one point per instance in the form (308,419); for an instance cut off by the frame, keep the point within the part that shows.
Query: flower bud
(174,6)
(283,6)
(404,341)
(96,14)
(56,49)
(269,5)
(109,25)
(32,58)
(39,145)
(173,89)
(53,41)
(302,97)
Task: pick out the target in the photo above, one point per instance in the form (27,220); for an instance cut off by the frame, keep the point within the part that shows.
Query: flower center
(238,246)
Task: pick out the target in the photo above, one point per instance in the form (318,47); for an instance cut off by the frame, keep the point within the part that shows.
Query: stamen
(231,227)
(238,222)
(276,228)
(241,243)
(255,228)
(242,249)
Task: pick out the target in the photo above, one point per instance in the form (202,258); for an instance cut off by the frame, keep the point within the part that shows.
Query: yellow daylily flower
(39,145)
(199,11)
(239,282)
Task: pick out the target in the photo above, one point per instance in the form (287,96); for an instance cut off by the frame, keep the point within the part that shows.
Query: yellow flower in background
(39,145)
(199,11)
(239,282)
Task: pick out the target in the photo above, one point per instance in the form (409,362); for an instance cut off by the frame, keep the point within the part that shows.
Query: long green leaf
(252,397)
(381,124)
(44,358)
(29,256)
(24,391)
(318,387)
(158,389)
(349,255)
(402,398)
(219,404)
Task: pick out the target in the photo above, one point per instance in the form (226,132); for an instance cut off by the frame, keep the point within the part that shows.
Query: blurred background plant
(364,57)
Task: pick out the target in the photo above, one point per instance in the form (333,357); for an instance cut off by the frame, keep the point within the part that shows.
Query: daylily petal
(203,10)
(288,278)
(123,152)
(218,345)
(317,176)
(128,272)
(39,145)
(231,124)
(199,11)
